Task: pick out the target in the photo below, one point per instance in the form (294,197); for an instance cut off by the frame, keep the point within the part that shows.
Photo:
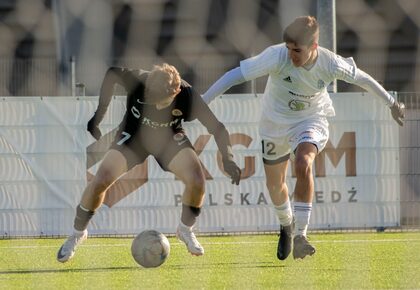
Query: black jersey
(147,124)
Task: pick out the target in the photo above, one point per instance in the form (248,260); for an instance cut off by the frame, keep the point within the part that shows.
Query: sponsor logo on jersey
(297,105)
(321,84)
(153,124)
(176,112)
(180,138)
(288,79)
(140,102)
(135,112)
(301,96)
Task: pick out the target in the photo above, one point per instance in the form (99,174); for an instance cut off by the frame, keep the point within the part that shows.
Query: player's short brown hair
(163,80)
(304,30)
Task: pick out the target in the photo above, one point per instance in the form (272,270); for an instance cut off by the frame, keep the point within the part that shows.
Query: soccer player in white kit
(294,122)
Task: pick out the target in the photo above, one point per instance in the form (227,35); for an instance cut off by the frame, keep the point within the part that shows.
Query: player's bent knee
(102,182)
(276,187)
(196,184)
(303,167)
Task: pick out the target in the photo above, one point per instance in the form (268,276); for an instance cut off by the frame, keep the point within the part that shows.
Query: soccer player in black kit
(157,103)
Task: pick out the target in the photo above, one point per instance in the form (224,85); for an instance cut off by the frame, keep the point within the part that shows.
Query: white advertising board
(47,156)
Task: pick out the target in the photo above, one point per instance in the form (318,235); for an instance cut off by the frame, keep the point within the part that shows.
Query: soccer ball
(150,248)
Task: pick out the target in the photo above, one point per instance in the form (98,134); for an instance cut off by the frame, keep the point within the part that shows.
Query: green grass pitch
(343,261)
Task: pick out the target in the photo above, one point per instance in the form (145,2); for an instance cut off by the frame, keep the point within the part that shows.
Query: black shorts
(136,150)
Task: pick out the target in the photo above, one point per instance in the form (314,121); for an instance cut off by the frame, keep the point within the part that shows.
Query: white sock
(78,233)
(184,227)
(302,212)
(284,213)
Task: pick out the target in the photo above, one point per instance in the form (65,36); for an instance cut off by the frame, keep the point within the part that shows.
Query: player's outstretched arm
(112,76)
(366,82)
(202,112)
(229,79)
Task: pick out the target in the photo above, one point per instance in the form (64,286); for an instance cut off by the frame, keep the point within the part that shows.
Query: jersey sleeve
(229,79)
(347,71)
(201,111)
(344,69)
(368,83)
(114,75)
(269,60)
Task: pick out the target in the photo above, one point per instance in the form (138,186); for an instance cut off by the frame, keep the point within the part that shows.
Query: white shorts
(280,141)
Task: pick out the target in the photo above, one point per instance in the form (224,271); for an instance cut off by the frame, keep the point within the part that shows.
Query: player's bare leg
(279,193)
(303,195)
(186,166)
(112,167)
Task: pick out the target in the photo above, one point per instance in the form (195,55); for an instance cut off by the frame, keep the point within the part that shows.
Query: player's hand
(232,169)
(398,112)
(93,128)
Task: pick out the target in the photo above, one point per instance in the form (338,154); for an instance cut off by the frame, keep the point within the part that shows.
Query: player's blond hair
(304,30)
(164,80)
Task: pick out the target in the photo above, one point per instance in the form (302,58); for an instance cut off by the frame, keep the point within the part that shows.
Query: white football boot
(68,249)
(186,235)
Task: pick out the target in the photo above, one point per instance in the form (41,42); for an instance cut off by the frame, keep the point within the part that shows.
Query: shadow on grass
(42,271)
(229,264)
(136,268)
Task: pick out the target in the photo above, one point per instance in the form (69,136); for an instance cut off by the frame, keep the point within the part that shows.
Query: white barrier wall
(46,155)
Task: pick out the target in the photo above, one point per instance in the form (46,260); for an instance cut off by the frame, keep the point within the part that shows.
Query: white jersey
(293,94)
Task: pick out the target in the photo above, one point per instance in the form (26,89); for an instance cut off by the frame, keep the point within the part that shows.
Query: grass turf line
(342,261)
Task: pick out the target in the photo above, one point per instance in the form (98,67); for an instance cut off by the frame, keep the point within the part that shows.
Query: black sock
(83,217)
(189,214)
